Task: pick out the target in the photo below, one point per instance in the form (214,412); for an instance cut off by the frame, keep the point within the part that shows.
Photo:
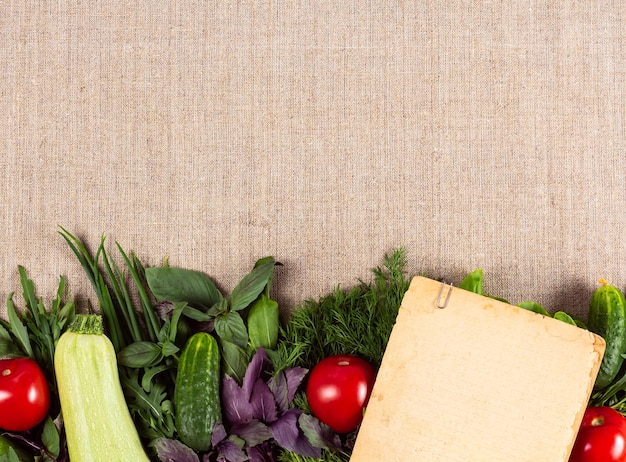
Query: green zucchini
(607,318)
(197,393)
(98,424)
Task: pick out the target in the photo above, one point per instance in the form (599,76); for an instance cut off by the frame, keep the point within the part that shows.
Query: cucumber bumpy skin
(607,318)
(197,391)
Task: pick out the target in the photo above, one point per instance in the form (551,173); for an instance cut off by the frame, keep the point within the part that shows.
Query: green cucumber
(607,318)
(197,392)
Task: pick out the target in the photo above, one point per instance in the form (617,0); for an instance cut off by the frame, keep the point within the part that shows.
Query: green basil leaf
(182,285)
(230,326)
(196,315)
(169,349)
(263,323)
(534,307)
(176,314)
(563,316)
(140,354)
(50,438)
(12,456)
(473,282)
(251,286)
(234,360)
(262,261)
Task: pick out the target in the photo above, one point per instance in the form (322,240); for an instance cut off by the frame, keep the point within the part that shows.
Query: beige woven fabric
(475,134)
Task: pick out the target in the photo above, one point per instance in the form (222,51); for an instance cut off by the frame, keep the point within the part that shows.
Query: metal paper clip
(442,302)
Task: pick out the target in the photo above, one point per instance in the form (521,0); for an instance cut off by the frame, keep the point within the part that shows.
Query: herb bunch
(34,332)
(175,303)
(356,321)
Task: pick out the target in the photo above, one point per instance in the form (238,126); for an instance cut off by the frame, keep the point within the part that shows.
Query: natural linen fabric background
(475,134)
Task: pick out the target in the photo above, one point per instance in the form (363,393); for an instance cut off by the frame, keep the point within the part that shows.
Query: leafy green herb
(263,323)
(356,321)
(34,332)
(473,282)
(173,304)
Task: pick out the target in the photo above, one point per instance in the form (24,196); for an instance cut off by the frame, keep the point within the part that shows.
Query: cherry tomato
(24,394)
(601,438)
(338,390)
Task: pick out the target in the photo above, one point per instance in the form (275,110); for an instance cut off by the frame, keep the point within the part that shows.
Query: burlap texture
(475,134)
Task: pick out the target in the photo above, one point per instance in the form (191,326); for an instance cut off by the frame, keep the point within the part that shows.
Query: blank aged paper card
(478,380)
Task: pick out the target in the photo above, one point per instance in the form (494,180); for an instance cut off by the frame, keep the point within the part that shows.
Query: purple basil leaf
(263,402)
(219,434)
(278,387)
(284,386)
(252,432)
(294,377)
(287,434)
(257,365)
(261,453)
(168,450)
(230,451)
(235,404)
(319,434)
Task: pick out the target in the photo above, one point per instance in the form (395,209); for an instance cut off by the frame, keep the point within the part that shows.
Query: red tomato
(338,390)
(24,394)
(601,438)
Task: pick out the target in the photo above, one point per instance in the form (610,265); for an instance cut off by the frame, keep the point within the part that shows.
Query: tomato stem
(597,421)
(6,372)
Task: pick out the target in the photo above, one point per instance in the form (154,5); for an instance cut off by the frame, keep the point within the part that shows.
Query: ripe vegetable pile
(168,368)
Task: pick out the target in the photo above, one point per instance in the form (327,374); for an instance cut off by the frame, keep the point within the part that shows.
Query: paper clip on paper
(444,297)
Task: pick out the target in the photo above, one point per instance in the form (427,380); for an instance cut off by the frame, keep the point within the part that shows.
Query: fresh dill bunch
(327,456)
(356,321)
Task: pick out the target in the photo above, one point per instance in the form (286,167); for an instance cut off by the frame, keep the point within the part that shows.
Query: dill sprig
(355,321)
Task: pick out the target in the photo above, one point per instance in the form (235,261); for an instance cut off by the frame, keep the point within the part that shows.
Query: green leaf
(146,380)
(8,348)
(230,326)
(264,323)
(196,314)
(50,438)
(563,316)
(473,282)
(18,329)
(234,360)
(29,295)
(12,456)
(169,349)
(140,354)
(3,332)
(251,286)
(176,314)
(182,285)
(534,307)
